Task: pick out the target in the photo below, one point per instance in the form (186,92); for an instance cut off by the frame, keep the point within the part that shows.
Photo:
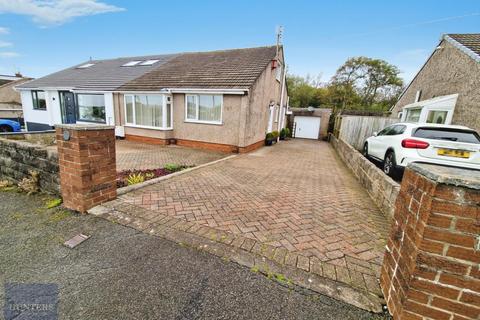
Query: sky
(38,37)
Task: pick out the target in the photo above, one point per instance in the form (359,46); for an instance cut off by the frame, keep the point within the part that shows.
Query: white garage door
(307,127)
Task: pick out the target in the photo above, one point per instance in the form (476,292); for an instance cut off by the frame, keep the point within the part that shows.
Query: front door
(68,107)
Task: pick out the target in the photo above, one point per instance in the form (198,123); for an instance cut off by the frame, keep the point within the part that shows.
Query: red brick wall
(87,166)
(431,268)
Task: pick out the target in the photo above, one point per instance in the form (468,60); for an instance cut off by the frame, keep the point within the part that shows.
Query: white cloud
(4,30)
(8,54)
(4,44)
(55,12)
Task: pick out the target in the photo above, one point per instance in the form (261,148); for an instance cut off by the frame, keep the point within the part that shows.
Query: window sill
(38,109)
(147,127)
(91,121)
(205,122)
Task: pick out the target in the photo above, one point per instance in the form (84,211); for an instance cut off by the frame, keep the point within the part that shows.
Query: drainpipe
(281,101)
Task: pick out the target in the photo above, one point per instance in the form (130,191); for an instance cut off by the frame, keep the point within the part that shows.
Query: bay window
(203,108)
(148,110)
(91,107)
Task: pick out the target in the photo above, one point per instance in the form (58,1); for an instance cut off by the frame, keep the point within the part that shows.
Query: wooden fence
(355,129)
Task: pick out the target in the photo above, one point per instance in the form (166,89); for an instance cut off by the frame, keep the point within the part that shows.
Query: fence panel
(355,129)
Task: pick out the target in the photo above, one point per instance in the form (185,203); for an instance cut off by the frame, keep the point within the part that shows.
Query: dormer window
(86,65)
(131,63)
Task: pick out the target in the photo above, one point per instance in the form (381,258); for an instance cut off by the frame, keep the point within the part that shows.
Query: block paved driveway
(135,155)
(297,195)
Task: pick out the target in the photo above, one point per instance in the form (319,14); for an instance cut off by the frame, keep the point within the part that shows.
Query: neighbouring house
(10,101)
(221,100)
(447,87)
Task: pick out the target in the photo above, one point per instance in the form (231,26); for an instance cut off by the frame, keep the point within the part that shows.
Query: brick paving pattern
(134,155)
(291,209)
(296,195)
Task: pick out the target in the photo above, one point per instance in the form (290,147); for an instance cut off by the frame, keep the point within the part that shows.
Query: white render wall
(53,114)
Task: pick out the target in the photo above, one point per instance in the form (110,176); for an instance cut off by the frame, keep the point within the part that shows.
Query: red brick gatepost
(86,155)
(431,268)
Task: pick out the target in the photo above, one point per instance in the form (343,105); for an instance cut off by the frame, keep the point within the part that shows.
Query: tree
(303,91)
(374,80)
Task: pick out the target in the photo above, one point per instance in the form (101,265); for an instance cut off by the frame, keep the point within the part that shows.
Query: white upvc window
(204,108)
(151,111)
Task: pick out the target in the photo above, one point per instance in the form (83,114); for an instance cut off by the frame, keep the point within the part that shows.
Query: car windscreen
(448,134)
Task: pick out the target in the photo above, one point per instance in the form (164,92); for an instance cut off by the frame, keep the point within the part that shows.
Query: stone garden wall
(17,157)
(382,189)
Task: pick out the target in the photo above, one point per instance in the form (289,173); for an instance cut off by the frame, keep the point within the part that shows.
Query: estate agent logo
(31,301)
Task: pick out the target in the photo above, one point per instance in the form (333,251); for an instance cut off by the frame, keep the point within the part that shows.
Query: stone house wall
(448,71)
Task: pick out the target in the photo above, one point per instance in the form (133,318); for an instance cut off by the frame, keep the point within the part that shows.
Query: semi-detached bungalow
(221,100)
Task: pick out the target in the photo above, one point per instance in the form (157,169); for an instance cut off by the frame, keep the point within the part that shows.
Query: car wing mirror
(375,133)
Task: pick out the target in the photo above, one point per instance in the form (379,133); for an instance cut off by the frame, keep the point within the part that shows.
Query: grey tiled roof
(227,69)
(469,41)
(104,75)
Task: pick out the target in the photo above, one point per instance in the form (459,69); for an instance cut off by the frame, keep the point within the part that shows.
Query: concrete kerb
(137,186)
(259,258)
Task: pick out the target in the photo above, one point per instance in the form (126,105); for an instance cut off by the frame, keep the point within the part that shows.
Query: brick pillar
(86,155)
(431,267)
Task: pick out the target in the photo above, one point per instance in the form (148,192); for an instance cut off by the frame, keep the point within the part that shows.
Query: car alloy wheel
(388,163)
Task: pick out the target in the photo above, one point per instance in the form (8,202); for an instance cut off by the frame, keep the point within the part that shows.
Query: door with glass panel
(67,104)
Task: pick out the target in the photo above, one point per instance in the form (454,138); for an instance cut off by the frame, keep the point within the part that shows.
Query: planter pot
(282,138)
(268,142)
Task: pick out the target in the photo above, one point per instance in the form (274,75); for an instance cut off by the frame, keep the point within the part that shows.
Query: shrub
(283,133)
(287,132)
(172,167)
(269,136)
(275,134)
(135,178)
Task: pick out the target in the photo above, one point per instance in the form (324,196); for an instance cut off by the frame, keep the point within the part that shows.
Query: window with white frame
(91,107)
(203,108)
(413,115)
(148,110)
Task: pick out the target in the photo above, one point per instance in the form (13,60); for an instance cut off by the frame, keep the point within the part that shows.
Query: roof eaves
(472,54)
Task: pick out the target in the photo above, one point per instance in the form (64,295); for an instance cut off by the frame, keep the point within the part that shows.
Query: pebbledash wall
(381,188)
(17,157)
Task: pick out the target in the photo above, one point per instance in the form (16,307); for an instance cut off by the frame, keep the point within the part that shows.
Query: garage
(307,127)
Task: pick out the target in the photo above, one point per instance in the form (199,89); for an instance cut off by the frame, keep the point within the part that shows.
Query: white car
(402,143)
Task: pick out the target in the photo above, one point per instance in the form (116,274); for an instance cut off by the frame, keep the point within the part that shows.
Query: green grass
(52,203)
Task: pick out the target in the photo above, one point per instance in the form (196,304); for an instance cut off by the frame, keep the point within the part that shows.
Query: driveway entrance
(296,196)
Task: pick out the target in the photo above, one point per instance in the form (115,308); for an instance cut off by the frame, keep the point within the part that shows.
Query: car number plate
(453,153)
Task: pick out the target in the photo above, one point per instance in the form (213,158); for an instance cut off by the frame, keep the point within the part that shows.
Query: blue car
(9,126)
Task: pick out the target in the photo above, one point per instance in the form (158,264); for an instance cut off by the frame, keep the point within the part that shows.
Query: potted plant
(288,133)
(283,134)
(269,139)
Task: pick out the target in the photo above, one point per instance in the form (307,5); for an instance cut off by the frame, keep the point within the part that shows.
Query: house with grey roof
(446,89)
(223,100)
